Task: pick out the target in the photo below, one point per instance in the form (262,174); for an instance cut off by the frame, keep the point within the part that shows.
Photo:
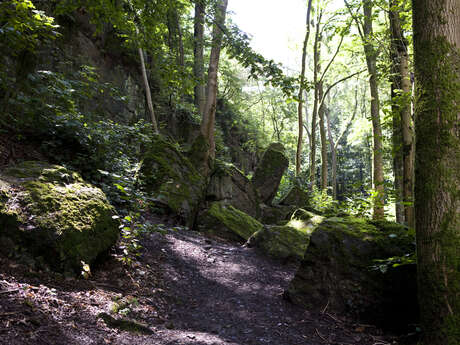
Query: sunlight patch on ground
(202,338)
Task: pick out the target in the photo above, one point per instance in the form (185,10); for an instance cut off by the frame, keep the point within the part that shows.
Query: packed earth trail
(184,288)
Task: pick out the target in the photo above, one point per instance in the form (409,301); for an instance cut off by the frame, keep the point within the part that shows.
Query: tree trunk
(180,43)
(333,157)
(335,144)
(314,116)
(198,62)
(322,131)
(401,109)
(371,60)
(396,109)
(208,119)
(147,91)
(300,95)
(175,43)
(437,167)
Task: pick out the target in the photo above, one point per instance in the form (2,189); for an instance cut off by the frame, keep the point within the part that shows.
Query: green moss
(43,171)
(268,174)
(276,214)
(232,219)
(437,176)
(197,153)
(65,222)
(296,197)
(274,158)
(282,242)
(170,176)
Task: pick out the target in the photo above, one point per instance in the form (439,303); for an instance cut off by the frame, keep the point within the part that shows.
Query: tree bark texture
(371,60)
(148,95)
(314,116)
(402,127)
(437,167)
(300,95)
(209,113)
(198,62)
(322,132)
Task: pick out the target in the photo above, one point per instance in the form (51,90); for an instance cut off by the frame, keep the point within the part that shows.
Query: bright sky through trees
(277,27)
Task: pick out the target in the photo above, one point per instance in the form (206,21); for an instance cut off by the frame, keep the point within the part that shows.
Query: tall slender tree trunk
(371,60)
(314,116)
(301,90)
(148,95)
(333,156)
(322,131)
(437,167)
(334,144)
(209,114)
(401,106)
(198,62)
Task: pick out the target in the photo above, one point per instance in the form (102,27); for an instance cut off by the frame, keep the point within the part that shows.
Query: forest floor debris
(184,288)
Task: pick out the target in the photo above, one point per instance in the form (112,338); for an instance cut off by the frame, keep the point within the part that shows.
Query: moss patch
(56,215)
(171,177)
(296,197)
(282,242)
(268,174)
(226,221)
(338,269)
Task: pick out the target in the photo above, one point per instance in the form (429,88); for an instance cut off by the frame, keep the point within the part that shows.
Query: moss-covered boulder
(229,184)
(296,196)
(225,221)
(268,173)
(169,176)
(339,271)
(275,214)
(54,214)
(288,241)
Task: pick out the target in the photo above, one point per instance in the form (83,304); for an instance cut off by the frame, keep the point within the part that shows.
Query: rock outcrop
(268,173)
(229,184)
(170,177)
(338,271)
(225,221)
(289,241)
(276,214)
(54,214)
(296,196)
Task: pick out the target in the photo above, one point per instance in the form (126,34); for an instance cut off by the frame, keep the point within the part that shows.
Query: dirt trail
(185,288)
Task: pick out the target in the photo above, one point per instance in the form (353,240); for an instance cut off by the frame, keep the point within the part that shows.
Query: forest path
(233,295)
(185,288)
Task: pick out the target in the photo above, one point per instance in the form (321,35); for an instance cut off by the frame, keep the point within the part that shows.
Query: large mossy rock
(268,173)
(338,271)
(225,221)
(275,214)
(288,241)
(169,176)
(54,214)
(227,183)
(296,196)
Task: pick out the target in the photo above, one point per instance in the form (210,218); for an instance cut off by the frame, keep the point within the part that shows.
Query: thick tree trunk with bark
(437,167)
(301,90)
(198,62)
(209,113)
